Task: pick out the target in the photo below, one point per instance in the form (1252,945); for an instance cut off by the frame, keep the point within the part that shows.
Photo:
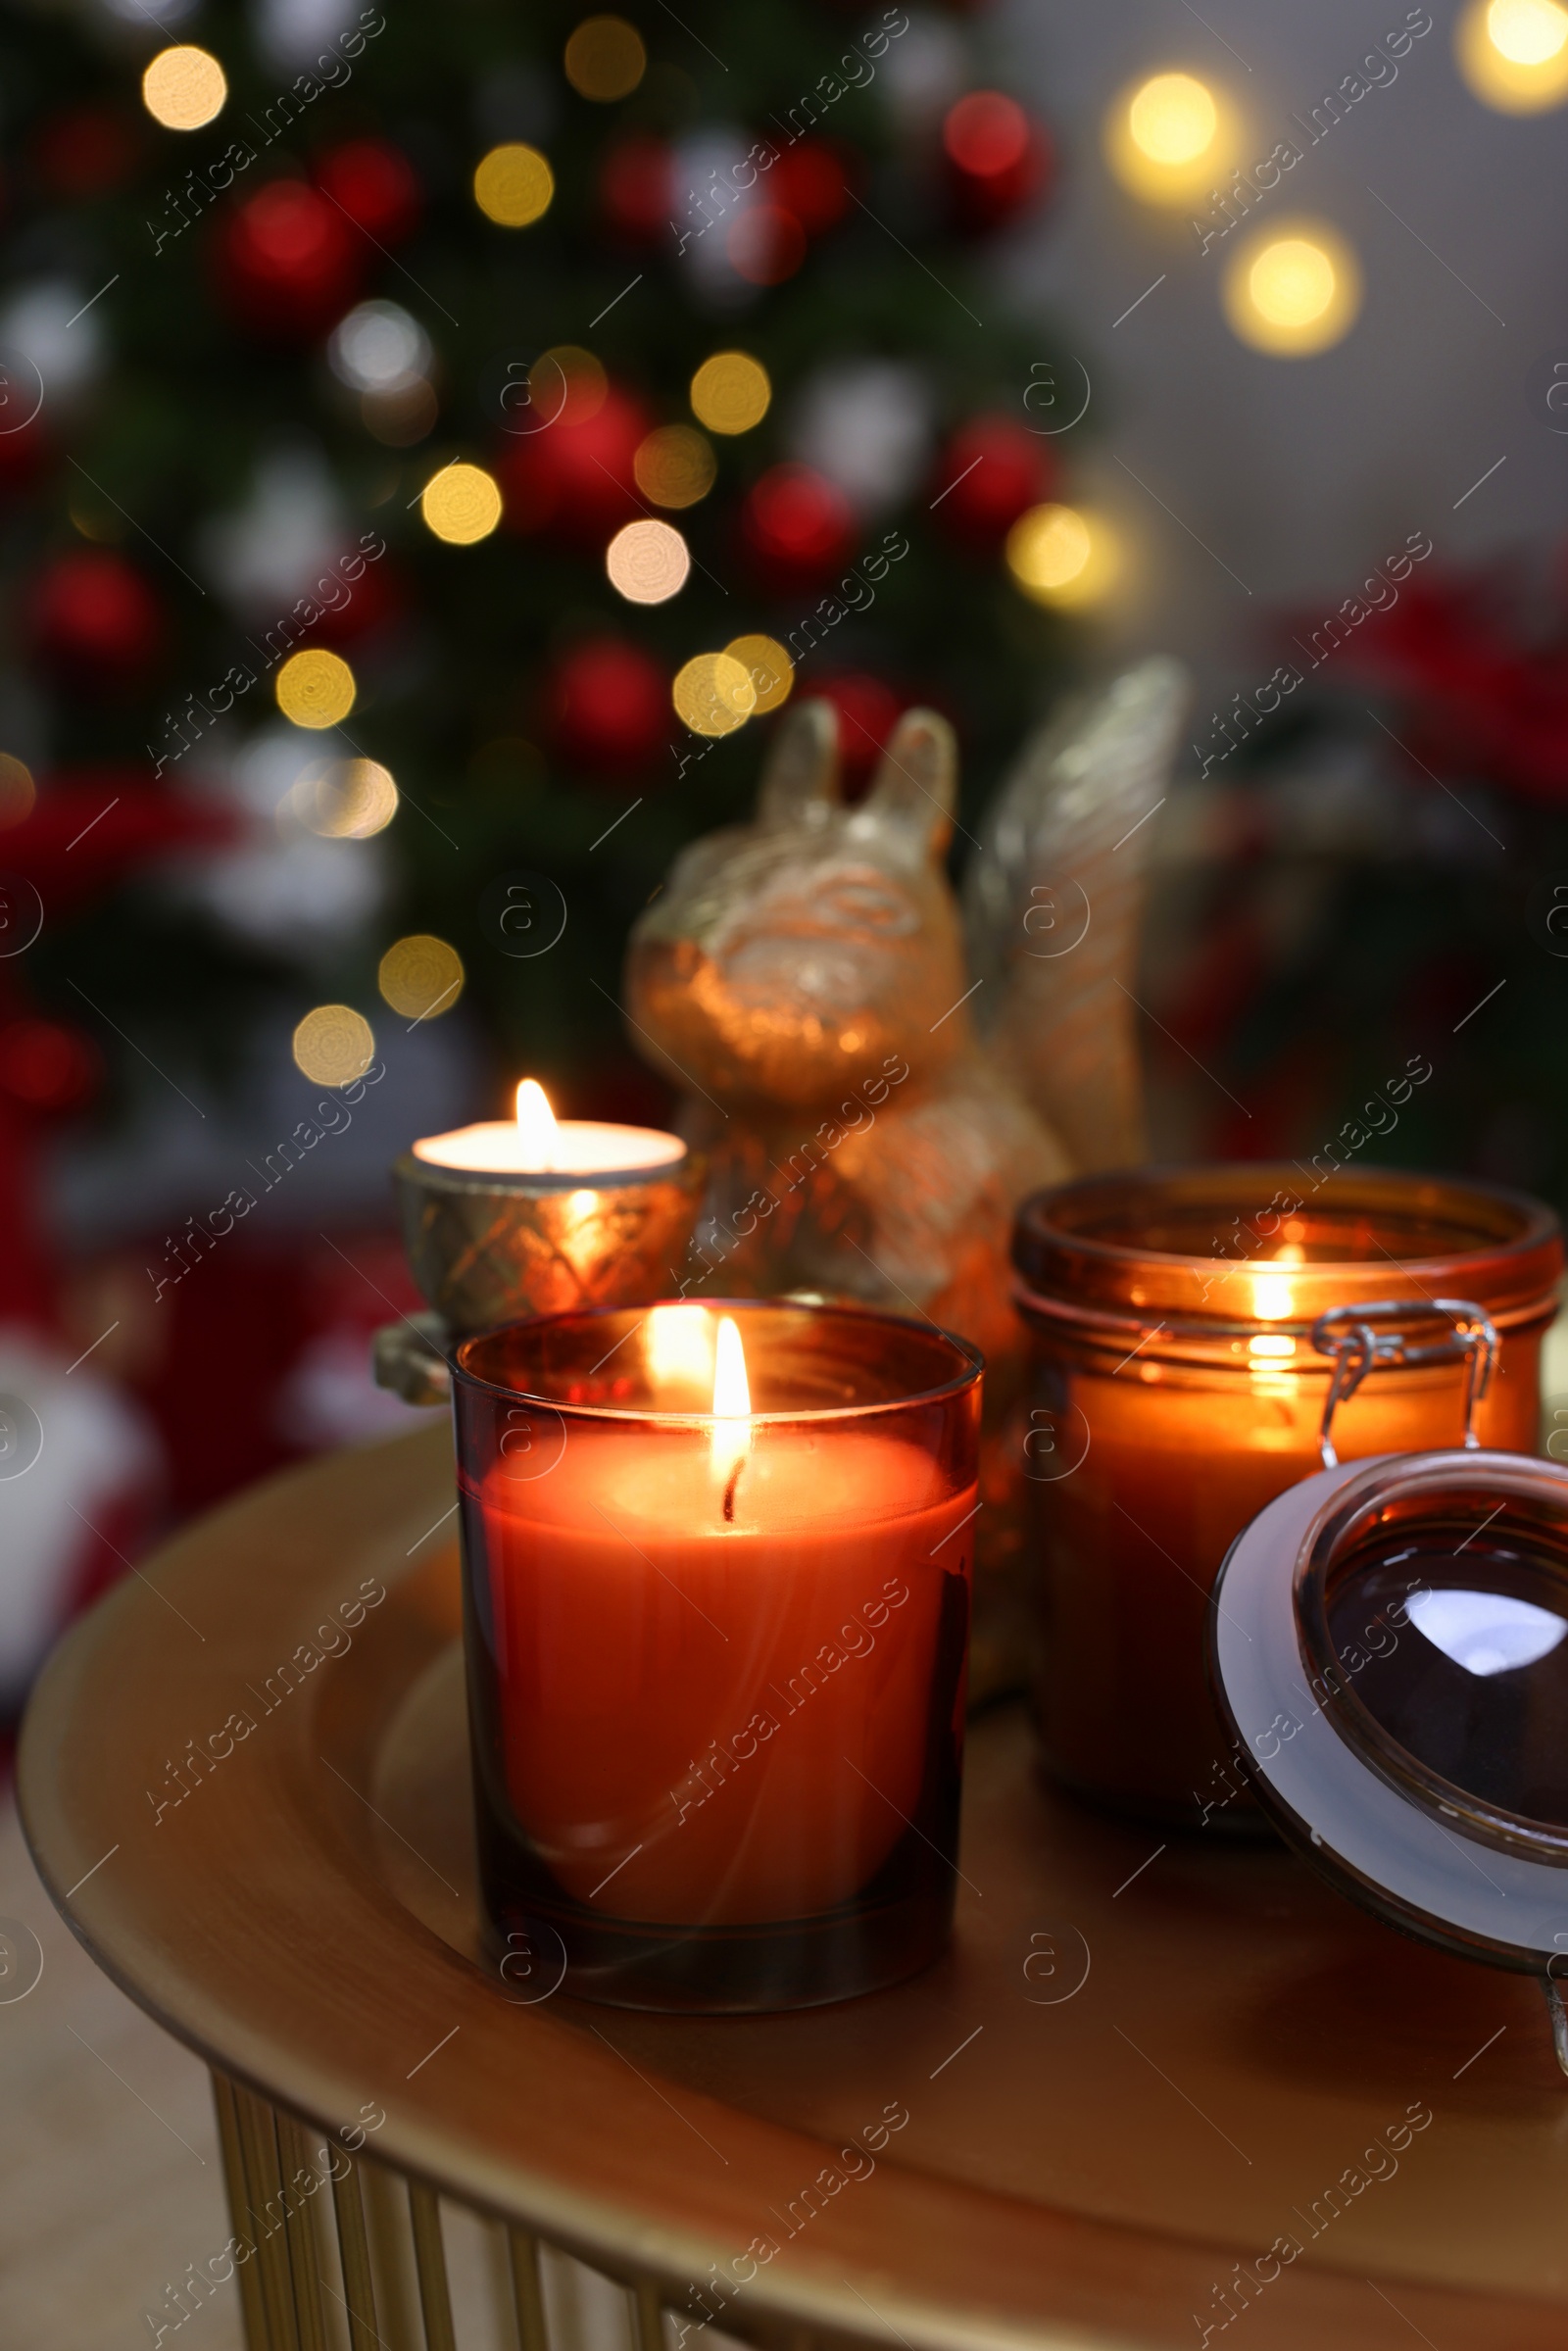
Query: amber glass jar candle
(1177,1389)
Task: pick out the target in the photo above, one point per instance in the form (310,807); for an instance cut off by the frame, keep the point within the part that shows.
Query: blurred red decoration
(24,450)
(374,185)
(87,150)
(288,262)
(575,479)
(813,179)
(377,599)
(607,706)
(95,618)
(1488,700)
(47,1066)
(767,245)
(637,189)
(998,159)
(796,524)
(987,474)
(868,711)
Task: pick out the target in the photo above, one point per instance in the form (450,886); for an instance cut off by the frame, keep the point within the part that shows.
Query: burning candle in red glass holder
(717,1574)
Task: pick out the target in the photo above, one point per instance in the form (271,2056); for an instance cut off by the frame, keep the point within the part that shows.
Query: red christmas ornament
(607,706)
(814,180)
(998,159)
(95,620)
(48,1065)
(574,477)
(375,183)
(767,245)
(288,262)
(868,711)
(797,525)
(637,189)
(989,472)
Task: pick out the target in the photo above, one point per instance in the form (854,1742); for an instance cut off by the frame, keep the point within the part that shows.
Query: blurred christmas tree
(437,440)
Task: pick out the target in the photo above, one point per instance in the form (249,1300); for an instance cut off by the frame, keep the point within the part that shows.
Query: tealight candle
(718,1593)
(534,1214)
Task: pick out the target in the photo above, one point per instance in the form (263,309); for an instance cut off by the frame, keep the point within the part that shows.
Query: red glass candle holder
(716,1665)
(1180,1384)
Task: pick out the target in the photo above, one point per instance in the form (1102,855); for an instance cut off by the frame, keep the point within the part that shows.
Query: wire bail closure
(1357,1348)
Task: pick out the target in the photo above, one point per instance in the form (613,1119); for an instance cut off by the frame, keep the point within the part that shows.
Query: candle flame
(1273,1299)
(536,1126)
(733,1409)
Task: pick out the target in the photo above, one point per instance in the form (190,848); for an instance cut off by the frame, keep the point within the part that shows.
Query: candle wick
(729,1491)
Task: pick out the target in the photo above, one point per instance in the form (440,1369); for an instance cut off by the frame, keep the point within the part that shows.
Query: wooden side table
(1143,2066)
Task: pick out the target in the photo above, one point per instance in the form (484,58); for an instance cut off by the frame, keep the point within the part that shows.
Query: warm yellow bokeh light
(1514,53)
(18,791)
(1292,291)
(1167,138)
(513,184)
(648,562)
(1173,118)
(421,976)
(315,688)
(567,386)
(730,392)
(714,694)
(768,665)
(676,466)
(334,1045)
(183,88)
(606,58)
(1061,556)
(348,801)
(461,503)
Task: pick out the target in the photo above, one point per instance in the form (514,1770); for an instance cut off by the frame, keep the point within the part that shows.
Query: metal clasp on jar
(1349,1336)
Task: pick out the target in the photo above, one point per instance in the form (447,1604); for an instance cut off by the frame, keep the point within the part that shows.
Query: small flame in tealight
(536,1126)
(732,1409)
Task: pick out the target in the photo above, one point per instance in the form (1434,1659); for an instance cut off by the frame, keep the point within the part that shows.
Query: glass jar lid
(1389,1646)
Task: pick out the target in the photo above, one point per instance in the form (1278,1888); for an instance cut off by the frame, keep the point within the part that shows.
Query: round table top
(1153,2087)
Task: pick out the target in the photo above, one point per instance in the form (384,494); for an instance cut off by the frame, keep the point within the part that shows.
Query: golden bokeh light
(730,392)
(714,694)
(566,385)
(461,504)
(648,562)
(676,466)
(18,791)
(183,88)
(1061,556)
(1292,289)
(315,688)
(334,1045)
(606,58)
(1166,137)
(421,976)
(769,667)
(349,800)
(513,185)
(1514,54)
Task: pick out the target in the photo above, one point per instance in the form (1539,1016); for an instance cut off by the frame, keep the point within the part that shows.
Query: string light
(315,688)
(18,791)
(1061,556)
(730,392)
(183,88)
(1165,137)
(769,667)
(676,466)
(1292,289)
(648,562)
(606,58)
(513,185)
(714,694)
(1514,54)
(350,800)
(334,1045)
(421,976)
(461,503)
